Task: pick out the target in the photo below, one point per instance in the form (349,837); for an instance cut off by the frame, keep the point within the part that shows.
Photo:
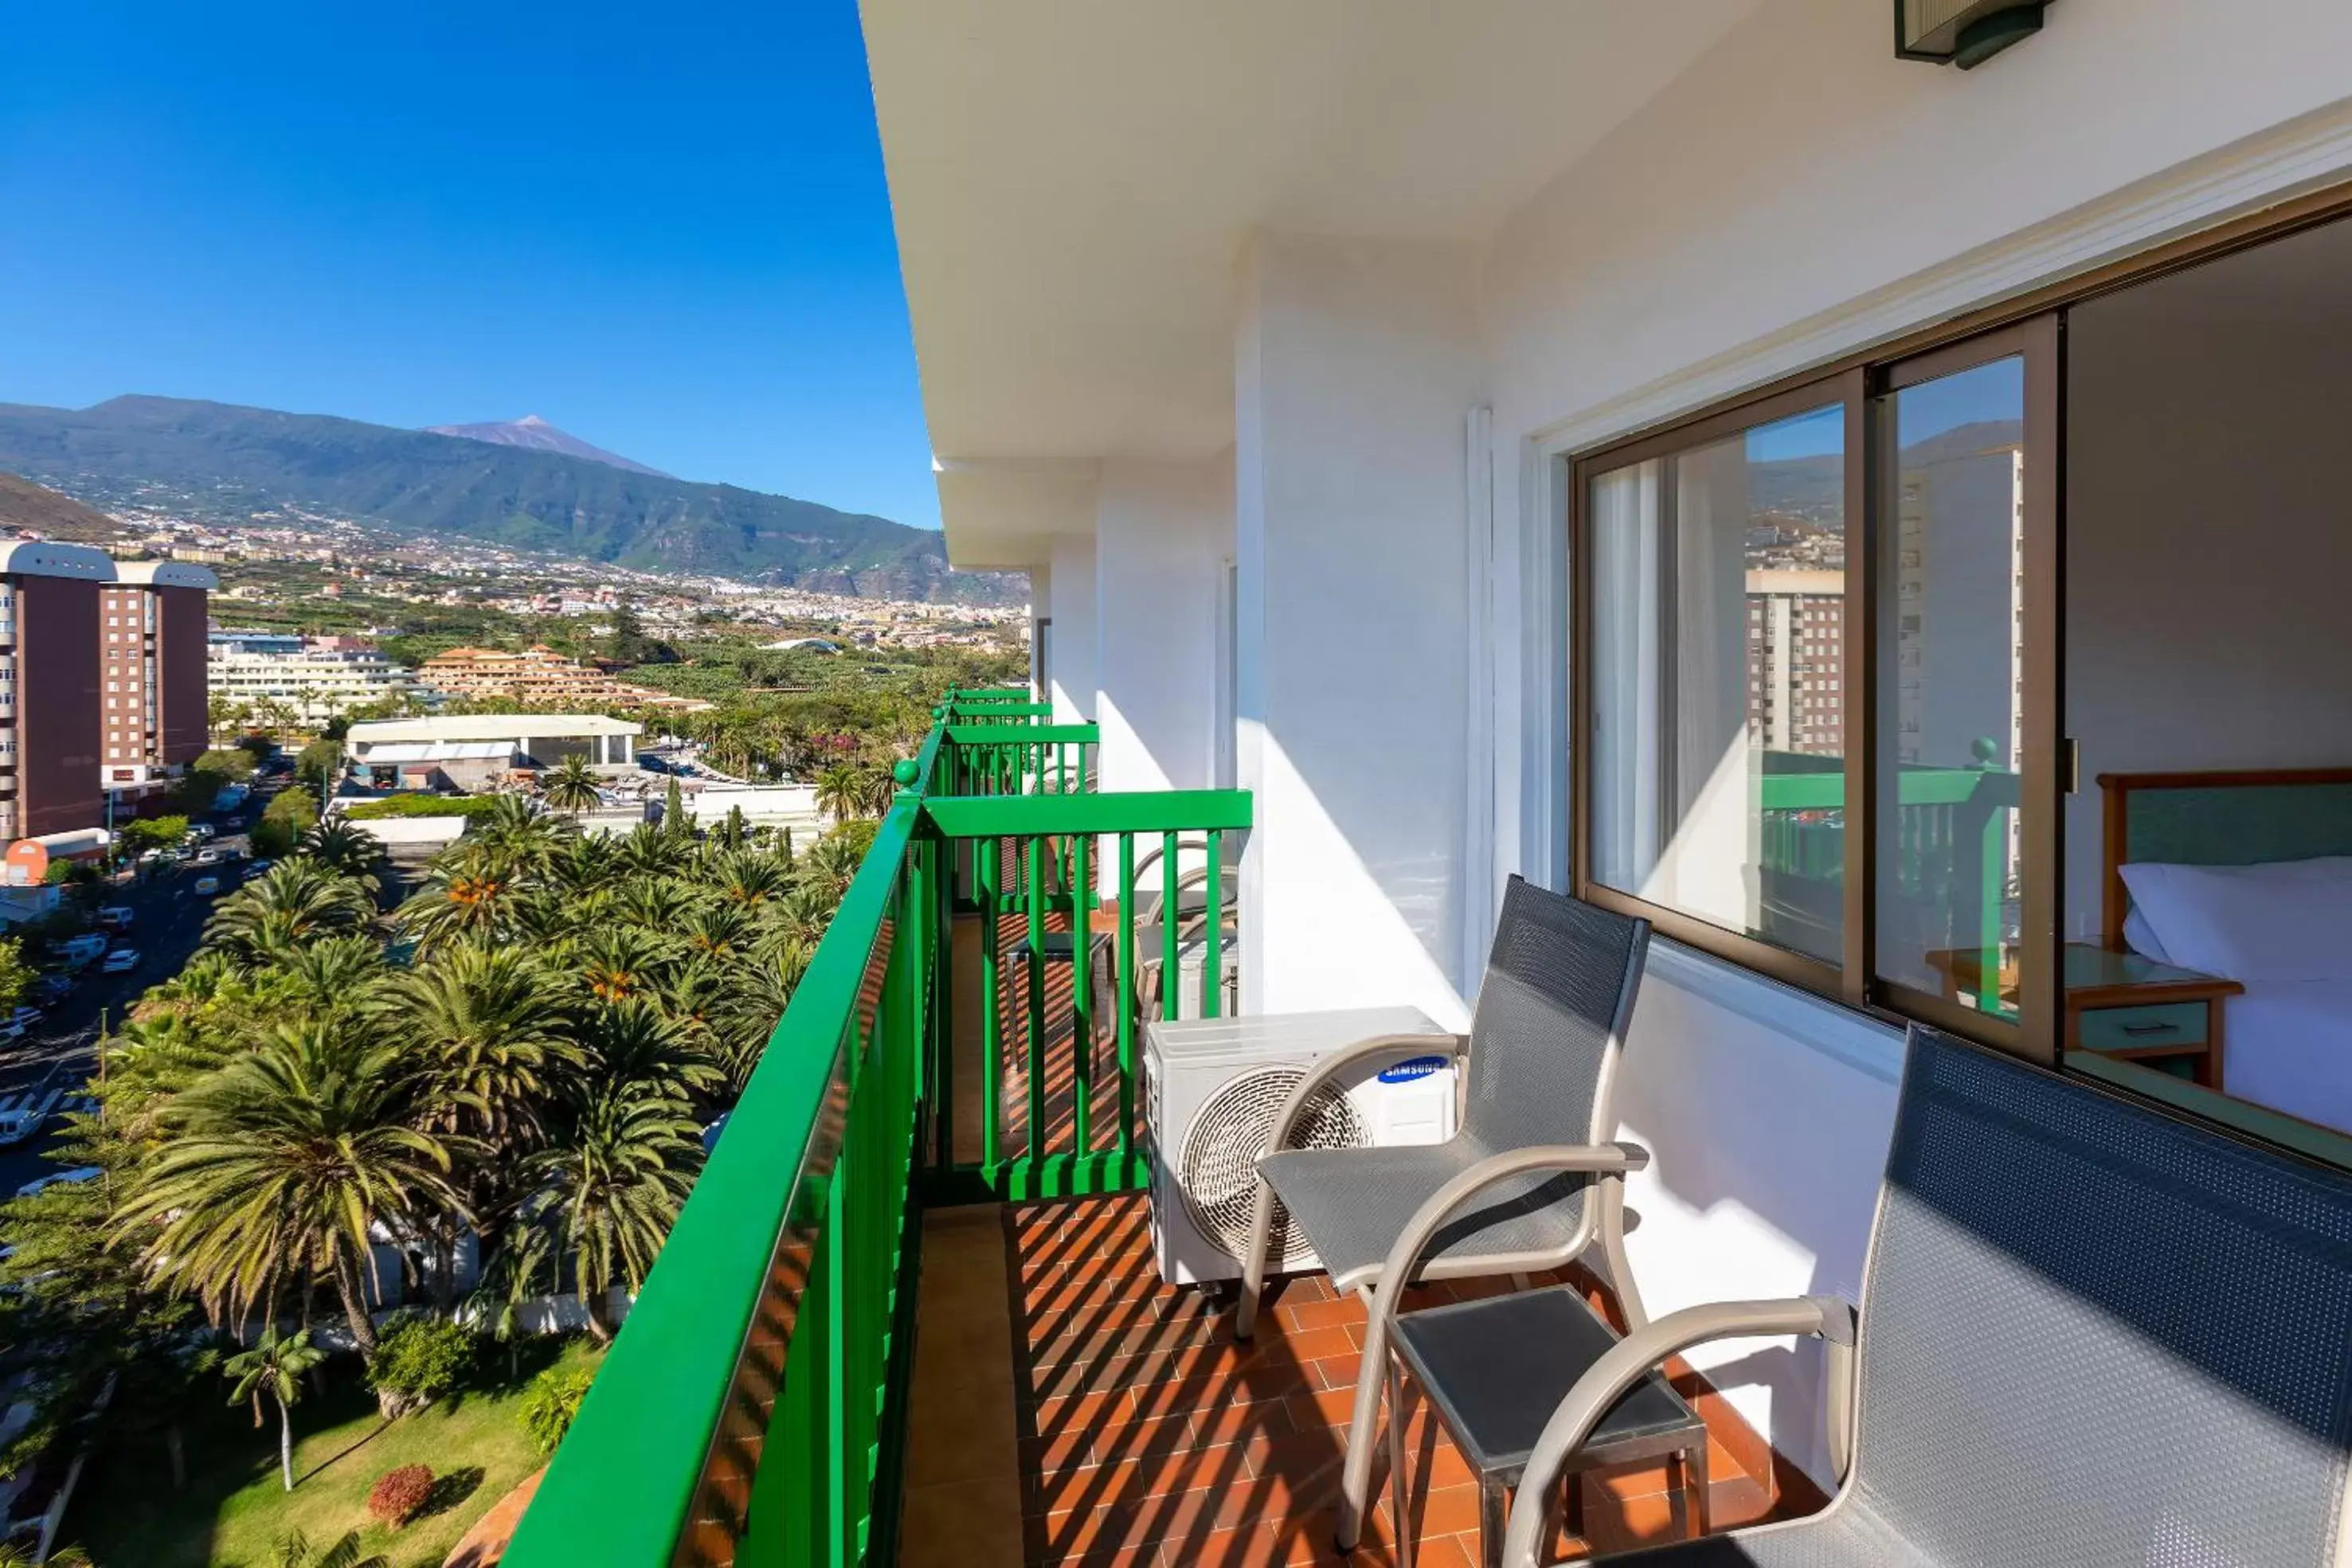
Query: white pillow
(2140,936)
(2285,920)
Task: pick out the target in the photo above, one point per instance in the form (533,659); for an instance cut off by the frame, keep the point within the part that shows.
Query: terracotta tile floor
(1069,1408)
(1059,1381)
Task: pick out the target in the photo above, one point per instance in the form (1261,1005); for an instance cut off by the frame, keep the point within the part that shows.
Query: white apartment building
(313,681)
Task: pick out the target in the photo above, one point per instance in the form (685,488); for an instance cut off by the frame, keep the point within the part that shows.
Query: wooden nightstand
(2124,1005)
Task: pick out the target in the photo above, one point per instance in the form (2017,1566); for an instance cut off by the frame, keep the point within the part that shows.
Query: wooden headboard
(2241,818)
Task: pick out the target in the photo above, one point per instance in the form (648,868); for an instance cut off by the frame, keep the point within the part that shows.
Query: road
(167,922)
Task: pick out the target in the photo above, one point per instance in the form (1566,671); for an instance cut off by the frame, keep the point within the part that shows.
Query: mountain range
(223,463)
(532,431)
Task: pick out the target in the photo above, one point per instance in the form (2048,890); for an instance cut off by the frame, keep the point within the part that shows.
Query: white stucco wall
(1072,649)
(1356,365)
(1163,531)
(1797,195)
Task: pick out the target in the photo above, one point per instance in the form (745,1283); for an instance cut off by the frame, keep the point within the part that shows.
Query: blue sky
(663,227)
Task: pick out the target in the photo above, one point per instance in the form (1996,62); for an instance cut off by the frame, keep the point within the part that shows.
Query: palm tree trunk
(286,1443)
(347,1285)
(173,1446)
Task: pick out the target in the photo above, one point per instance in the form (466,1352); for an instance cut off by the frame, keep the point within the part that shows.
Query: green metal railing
(1951,863)
(751,1409)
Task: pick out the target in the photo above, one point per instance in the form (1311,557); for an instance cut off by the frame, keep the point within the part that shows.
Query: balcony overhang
(1009,511)
(1072,186)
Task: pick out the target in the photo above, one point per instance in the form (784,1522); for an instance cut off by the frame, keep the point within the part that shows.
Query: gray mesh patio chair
(2090,1336)
(1528,1183)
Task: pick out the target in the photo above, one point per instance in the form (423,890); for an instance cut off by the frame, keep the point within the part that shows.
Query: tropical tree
(275,1367)
(841,791)
(344,847)
(484,1027)
(571,786)
(607,1192)
(515,835)
(300,901)
(467,894)
(280,1167)
(20,1554)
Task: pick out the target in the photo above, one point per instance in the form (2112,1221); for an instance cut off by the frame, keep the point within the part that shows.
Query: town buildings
(314,678)
(538,675)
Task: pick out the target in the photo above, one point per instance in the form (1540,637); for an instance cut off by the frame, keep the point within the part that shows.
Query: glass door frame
(2038,342)
(1864,389)
(1846,391)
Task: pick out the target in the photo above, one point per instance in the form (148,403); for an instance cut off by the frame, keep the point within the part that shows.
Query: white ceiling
(1073,180)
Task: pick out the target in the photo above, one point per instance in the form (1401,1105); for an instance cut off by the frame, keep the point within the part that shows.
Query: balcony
(912,1312)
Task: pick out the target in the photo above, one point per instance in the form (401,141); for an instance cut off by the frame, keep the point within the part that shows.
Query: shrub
(420,805)
(399,1494)
(418,1360)
(552,1401)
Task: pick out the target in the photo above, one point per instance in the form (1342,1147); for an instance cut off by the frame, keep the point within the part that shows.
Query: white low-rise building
(469,751)
(314,678)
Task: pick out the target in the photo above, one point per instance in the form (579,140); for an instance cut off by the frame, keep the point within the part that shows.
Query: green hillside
(228,461)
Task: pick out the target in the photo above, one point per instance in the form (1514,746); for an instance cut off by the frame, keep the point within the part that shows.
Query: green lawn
(235,1505)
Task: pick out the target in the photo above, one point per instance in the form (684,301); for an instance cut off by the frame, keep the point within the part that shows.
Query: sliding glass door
(1965,752)
(1817,689)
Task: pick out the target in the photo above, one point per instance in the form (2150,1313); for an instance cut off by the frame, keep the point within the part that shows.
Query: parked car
(79,1173)
(21,1115)
(258,870)
(121,961)
(209,857)
(206,887)
(25,1016)
(81,949)
(50,989)
(202,831)
(115,918)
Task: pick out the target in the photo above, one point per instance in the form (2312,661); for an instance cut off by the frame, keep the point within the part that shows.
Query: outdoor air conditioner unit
(1211,1096)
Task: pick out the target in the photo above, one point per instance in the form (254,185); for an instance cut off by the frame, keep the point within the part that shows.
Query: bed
(2247,875)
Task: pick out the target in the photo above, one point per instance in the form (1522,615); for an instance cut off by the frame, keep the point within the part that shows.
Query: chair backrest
(1551,1023)
(2095,1334)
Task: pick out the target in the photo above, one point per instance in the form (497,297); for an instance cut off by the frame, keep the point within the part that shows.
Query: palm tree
(572,786)
(659,904)
(344,847)
(16,1554)
(294,1550)
(466,894)
(741,1017)
(881,787)
(833,862)
(300,901)
(486,1025)
(282,1163)
(618,962)
(651,851)
(337,972)
(749,878)
(275,1366)
(718,929)
(518,836)
(633,1043)
(608,1192)
(841,791)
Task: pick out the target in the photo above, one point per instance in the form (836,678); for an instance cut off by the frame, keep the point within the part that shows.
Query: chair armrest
(1285,1120)
(1627,1363)
(1404,1256)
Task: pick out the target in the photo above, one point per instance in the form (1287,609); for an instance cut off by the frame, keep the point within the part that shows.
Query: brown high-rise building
(102,681)
(50,728)
(153,648)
